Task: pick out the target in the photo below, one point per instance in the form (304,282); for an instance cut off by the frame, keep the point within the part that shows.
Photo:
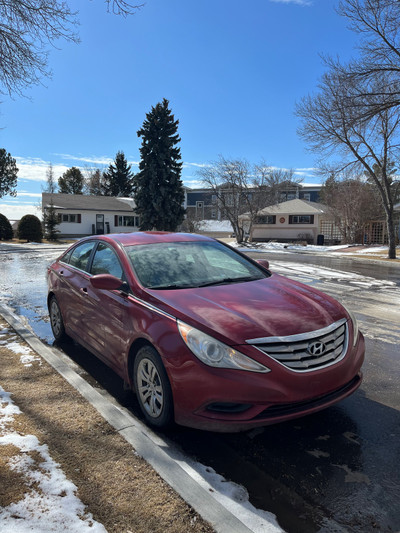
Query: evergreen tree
(50,222)
(158,189)
(50,217)
(118,177)
(8,174)
(51,185)
(30,228)
(71,182)
(6,232)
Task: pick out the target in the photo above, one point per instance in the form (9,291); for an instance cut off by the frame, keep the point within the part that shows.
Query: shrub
(6,232)
(30,228)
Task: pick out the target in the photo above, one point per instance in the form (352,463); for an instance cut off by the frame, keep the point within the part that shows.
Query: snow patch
(49,503)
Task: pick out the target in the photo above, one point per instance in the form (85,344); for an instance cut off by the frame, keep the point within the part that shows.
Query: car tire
(56,320)
(153,389)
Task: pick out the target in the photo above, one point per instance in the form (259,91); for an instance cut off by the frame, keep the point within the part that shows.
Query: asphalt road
(334,471)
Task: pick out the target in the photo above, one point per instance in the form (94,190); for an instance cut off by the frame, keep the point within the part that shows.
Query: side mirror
(106,282)
(263,262)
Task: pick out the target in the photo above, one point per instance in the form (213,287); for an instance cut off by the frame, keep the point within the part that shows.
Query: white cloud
(29,194)
(34,168)
(15,211)
(193,183)
(94,160)
(197,165)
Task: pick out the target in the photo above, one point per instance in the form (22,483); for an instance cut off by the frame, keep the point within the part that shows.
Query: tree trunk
(391,235)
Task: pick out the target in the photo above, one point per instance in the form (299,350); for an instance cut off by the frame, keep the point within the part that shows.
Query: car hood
(274,306)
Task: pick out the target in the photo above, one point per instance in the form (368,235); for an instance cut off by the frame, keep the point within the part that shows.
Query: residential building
(202,203)
(294,220)
(80,214)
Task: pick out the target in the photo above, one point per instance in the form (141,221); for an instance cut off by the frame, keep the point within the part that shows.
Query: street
(337,470)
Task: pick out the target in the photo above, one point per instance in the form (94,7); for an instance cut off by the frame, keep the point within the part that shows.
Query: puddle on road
(23,287)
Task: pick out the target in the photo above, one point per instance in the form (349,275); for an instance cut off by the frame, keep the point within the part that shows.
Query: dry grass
(119,488)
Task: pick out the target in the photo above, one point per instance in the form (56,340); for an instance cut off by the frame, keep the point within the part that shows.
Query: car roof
(150,237)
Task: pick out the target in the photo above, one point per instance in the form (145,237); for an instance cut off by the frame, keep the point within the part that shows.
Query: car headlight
(355,325)
(216,353)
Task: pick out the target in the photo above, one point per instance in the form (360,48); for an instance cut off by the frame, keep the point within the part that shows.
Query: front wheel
(56,320)
(153,388)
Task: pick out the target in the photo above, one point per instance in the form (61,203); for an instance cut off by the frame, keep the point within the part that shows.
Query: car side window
(105,261)
(80,255)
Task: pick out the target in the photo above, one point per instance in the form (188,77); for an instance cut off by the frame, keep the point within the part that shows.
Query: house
(202,204)
(81,215)
(295,220)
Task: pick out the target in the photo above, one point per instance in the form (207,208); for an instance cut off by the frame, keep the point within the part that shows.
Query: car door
(73,279)
(106,320)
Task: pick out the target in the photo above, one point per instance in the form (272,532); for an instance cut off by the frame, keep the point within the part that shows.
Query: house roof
(294,207)
(83,202)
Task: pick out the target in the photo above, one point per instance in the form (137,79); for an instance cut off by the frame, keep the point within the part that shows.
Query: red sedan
(204,335)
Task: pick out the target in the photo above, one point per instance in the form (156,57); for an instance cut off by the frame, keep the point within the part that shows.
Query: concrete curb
(177,473)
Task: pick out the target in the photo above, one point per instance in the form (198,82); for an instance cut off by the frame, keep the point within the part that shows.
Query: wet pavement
(337,470)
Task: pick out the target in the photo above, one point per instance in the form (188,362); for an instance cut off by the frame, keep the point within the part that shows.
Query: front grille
(299,407)
(307,351)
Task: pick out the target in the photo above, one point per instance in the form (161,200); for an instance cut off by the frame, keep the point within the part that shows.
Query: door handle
(84,290)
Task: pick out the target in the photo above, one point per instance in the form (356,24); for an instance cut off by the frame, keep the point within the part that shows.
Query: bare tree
(271,183)
(244,189)
(94,182)
(330,127)
(122,7)
(28,28)
(378,66)
(229,180)
(353,202)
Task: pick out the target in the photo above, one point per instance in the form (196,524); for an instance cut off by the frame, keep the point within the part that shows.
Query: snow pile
(216,225)
(28,356)
(340,249)
(49,503)
(282,247)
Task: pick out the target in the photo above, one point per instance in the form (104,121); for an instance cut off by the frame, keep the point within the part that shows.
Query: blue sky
(232,71)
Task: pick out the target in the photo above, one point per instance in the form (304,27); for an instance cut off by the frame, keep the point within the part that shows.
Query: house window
(307,196)
(228,199)
(266,219)
(214,199)
(301,219)
(71,218)
(128,221)
(213,213)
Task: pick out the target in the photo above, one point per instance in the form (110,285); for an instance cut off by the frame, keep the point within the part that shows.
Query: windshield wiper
(225,281)
(169,287)
(165,287)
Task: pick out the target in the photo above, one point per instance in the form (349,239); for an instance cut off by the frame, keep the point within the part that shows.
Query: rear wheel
(153,388)
(56,320)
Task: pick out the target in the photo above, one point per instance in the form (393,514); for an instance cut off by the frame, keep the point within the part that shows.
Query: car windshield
(179,265)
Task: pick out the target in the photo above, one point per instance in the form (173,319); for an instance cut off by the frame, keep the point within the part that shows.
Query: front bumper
(226,400)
